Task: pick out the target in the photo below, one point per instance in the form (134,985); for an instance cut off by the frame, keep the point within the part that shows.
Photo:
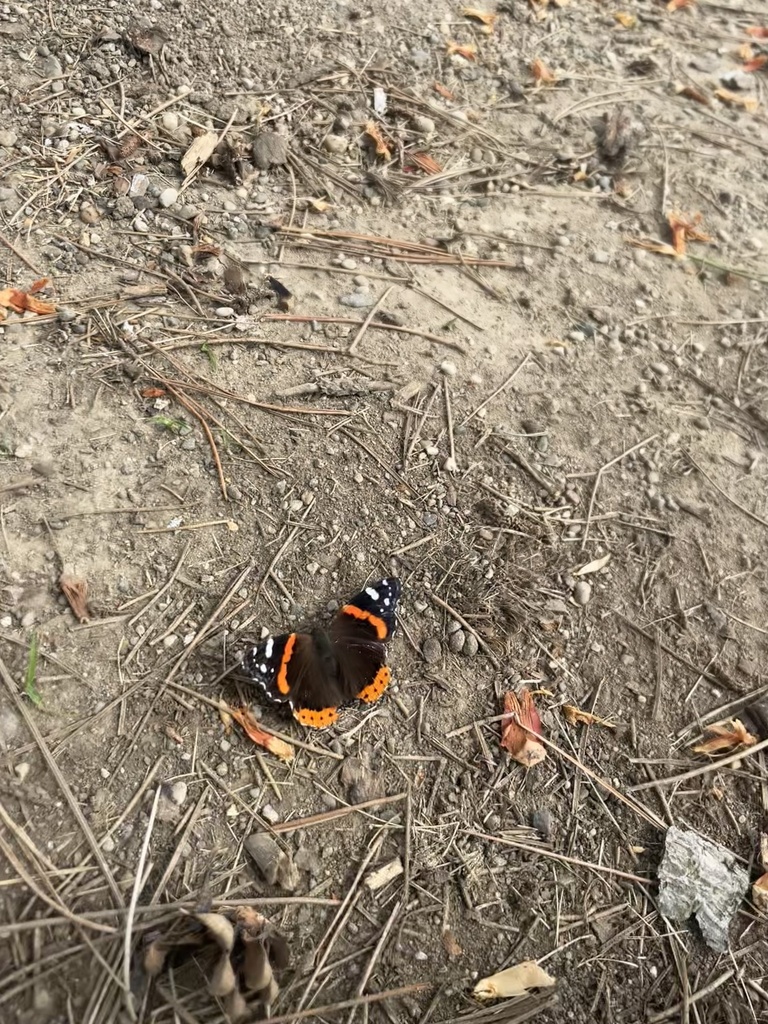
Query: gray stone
(178,793)
(334,143)
(432,650)
(168,197)
(269,150)
(471,646)
(601,256)
(8,138)
(456,641)
(422,124)
(582,592)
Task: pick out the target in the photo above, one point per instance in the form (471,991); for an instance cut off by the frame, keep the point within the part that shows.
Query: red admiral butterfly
(317,672)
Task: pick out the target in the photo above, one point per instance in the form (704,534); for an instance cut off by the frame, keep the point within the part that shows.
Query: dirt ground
(420,314)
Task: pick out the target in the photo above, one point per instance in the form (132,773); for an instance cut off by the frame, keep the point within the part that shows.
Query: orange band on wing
(282,676)
(374,690)
(378,624)
(316,719)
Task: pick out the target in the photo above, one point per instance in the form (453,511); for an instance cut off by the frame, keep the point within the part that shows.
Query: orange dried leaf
(466,50)
(675,5)
(374,134)
(755,64)
(152,393)
(38,285)
(735,99)
(425,163)
(760,893)
(320,205)
(650,245)
(625,19)
(441,90)
(486,20)
(542,74)
(520,729)
(23,302)
(451,945)
(575,716)
(724,737)
(692,93)
(259,736)
(75,590)
(758,32)
(685,229)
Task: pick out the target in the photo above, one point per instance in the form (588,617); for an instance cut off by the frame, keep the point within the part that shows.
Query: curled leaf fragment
(542,73)
(676,5)
(515,981)
(466,50)
(257,735)
(425,163)
(692,93)
(373,132)
(725,736)
(486,19)
(577,716)
(735,99)
(75,590)
(685,229)
(25,302)
(520,729)
(625,19)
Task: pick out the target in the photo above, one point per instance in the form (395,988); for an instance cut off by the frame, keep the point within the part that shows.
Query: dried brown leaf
(725,736)
(755,63)
(514,981)
(692,93)
(758,32)
(319,205)
(650,245)
(25,302)
(425,163)
(451,945)
(760,893)
(441,90)
(685,229)
(517,729)
(373,132)
(542,74)
(486,19)
(625,19)
(735,99)
(466,50)
(576,716)
(676,5)
(257,735)
(75,589)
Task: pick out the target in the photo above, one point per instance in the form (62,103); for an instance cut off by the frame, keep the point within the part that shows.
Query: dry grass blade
(724,737)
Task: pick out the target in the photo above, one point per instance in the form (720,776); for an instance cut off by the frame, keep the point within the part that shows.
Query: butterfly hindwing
(359,634)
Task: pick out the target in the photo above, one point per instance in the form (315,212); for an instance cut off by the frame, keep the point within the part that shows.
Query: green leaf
(31,677)
(210,355)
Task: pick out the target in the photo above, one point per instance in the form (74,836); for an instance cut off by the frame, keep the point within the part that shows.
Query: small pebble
(601,256)
(334,143)
(456,641)
(108,844)
(224,311)
(448,368)
(168,197)
(271,815)
(432,650)
(22,770)
(582,592)
(471,645)
(422,124)
(178,793)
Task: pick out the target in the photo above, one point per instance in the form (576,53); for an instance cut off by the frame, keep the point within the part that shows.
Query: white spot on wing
(263,668)
(268,648)
(386,602)
(373,594)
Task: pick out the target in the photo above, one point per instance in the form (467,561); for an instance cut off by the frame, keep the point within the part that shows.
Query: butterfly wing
(359,634)
(291,670)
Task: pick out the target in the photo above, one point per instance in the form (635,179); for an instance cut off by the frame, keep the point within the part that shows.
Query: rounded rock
(471,646)
(582,592)
(456,641)
(334,143)
(432,650)
(168,197)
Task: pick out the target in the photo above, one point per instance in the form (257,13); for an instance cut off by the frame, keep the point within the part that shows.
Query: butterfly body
(318,671)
